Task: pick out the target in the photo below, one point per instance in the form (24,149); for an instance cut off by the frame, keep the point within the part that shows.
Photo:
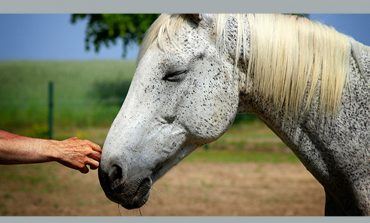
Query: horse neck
(312,137)
(294,132)
(333,150)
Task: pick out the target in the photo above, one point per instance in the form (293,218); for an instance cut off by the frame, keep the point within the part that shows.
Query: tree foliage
(106,29)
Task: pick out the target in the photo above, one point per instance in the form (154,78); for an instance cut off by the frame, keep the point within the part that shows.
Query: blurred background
(65,75)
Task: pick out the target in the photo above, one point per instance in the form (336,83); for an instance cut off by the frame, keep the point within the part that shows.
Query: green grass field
(79,89)
(88,95)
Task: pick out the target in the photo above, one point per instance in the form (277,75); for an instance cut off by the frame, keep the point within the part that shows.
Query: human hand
(77,154)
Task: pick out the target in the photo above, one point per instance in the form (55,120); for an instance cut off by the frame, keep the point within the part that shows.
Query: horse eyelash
(171,76)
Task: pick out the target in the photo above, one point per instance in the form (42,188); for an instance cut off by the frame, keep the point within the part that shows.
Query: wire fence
(86,94)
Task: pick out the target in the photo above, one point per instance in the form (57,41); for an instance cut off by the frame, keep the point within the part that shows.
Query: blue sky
(49,37)
(53,37)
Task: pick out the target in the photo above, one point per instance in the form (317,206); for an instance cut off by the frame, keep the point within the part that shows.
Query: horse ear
(199,17)
(195,17)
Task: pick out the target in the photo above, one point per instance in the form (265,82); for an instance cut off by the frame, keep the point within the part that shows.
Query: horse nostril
(115,176)
(115,172)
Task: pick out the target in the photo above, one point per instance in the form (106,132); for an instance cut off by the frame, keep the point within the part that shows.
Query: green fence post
(206,147)
(50,110)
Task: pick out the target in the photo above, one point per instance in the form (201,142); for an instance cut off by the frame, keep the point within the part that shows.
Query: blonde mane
(290,58)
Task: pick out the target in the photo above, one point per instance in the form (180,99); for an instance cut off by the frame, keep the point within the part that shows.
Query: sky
(53,37)
(49,37)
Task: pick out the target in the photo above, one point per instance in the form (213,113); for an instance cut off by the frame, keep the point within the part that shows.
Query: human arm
(73,152)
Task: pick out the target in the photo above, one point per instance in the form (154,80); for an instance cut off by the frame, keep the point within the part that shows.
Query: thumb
(84,170)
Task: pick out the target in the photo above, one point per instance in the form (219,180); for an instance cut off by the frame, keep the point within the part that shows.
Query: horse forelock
(290,58)
(163,28)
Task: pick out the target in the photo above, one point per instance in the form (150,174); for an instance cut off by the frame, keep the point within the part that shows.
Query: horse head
(183,95)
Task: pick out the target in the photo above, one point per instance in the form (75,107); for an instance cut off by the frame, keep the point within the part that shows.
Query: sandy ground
(191,188)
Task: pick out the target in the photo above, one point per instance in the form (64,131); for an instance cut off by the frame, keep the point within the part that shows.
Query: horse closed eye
(174,76)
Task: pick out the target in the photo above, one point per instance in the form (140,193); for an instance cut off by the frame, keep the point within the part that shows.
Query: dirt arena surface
(191,188)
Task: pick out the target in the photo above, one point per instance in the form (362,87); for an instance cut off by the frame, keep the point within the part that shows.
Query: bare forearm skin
(73,152)
(8,135)
(15,149)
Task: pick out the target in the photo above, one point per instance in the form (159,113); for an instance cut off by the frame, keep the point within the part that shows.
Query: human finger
(94,155)
(93,167)
(84,170)
(93,145)
(92,163)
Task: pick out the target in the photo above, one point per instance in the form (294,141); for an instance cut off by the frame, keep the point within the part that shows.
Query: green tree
(106,29)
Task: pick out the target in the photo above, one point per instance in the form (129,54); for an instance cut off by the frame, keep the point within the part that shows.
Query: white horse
(306,81)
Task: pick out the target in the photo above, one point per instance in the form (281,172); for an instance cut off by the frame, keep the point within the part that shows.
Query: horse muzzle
(131,194)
